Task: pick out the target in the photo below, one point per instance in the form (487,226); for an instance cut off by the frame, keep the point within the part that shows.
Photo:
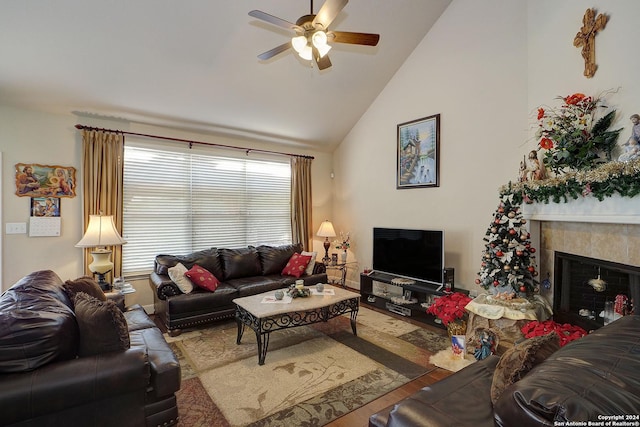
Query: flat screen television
(415,254)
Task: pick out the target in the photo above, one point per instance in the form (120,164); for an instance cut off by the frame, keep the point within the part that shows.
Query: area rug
(311,376)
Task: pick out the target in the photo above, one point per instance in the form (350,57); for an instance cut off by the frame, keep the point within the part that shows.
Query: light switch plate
(16,228)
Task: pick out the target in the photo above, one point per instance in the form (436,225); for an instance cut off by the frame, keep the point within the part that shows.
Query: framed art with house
(419,153)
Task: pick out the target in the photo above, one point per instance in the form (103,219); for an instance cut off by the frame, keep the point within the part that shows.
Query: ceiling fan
(313,34)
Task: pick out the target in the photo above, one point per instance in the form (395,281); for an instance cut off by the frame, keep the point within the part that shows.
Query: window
(179,200)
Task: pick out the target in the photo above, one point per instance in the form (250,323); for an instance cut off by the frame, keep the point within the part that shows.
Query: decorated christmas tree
(508,263)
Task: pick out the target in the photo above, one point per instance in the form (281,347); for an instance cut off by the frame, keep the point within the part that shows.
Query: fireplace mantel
(615,210)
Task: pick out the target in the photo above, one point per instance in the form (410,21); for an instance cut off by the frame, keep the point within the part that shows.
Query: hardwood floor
(360,417)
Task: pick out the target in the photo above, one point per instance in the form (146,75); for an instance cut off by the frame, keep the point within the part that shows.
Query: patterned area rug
(311,376)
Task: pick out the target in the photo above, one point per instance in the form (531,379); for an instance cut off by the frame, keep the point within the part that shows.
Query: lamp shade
(326,229)
(101,231)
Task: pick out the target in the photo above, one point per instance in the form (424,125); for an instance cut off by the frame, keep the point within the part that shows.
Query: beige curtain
(102,165)
(301,201)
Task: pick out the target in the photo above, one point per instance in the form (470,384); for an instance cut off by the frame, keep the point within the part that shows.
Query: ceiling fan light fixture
(306,53)
(319,40)
(299,43)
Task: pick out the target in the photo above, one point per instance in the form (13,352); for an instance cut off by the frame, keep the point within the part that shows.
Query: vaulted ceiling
(193,64)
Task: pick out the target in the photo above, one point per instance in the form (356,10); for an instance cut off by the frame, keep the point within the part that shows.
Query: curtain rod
(190,142)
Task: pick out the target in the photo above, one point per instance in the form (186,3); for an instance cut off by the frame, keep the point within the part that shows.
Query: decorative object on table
(401,300)
(101,232)
(320,287)
(586,39)
(326,230)
(400,281)
(566,332)
(572,137)
(487,343)
(298,292)
(450,310)
(334,259)
(279,294)
(419,153)
(508,265)
(35,180)
(458,346)
(343,244)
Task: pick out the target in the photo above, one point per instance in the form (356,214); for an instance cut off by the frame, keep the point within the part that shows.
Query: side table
(341,267)
(117,297)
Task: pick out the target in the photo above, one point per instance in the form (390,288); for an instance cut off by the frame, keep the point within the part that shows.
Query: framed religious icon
(35,180)
(45,206)
(419,153)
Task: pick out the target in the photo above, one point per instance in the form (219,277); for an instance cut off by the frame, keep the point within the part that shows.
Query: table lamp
(326,230)
(101,232)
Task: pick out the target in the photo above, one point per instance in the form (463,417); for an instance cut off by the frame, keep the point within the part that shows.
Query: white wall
(556,66)
(485,67)
(471,69)
(34,137)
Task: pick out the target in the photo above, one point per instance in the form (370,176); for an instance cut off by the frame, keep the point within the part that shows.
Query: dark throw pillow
(274,258)
(243,262)
(516,362)
(83,284)
(103,327)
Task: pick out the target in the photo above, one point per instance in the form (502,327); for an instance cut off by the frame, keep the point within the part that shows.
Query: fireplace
(578,299)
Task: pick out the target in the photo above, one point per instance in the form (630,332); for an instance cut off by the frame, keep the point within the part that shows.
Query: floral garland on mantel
(600,182)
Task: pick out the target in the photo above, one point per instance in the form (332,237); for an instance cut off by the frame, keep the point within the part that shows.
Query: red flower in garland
(566,332)
(546,143)
(574,99)
(449,307)
(540,113)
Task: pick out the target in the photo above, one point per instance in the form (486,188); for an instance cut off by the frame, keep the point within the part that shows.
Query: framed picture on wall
(419,153)
(45,206)
(35,180)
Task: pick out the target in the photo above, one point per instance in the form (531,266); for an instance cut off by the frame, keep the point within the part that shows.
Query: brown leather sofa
(242,272)
(43,381)
(593,379)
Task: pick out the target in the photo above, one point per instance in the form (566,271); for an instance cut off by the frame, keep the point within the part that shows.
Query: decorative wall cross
(586,38)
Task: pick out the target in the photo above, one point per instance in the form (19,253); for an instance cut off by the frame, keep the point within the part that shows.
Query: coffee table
(265,317)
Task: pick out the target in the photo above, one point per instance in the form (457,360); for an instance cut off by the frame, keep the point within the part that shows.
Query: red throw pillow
(202,278)
(296,265)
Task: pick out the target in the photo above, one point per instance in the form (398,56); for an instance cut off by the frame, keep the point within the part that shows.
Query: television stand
(418,290)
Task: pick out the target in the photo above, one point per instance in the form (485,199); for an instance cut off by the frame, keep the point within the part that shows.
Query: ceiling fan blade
(354,38)
(327,13)
(273,52)
(274,20)
(322,62)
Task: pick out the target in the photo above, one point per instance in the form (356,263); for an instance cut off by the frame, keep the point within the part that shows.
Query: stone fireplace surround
(607,230)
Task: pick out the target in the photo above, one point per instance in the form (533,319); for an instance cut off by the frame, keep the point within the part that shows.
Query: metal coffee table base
(264,326)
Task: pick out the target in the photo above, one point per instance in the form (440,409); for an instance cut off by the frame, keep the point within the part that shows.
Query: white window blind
(177,201)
